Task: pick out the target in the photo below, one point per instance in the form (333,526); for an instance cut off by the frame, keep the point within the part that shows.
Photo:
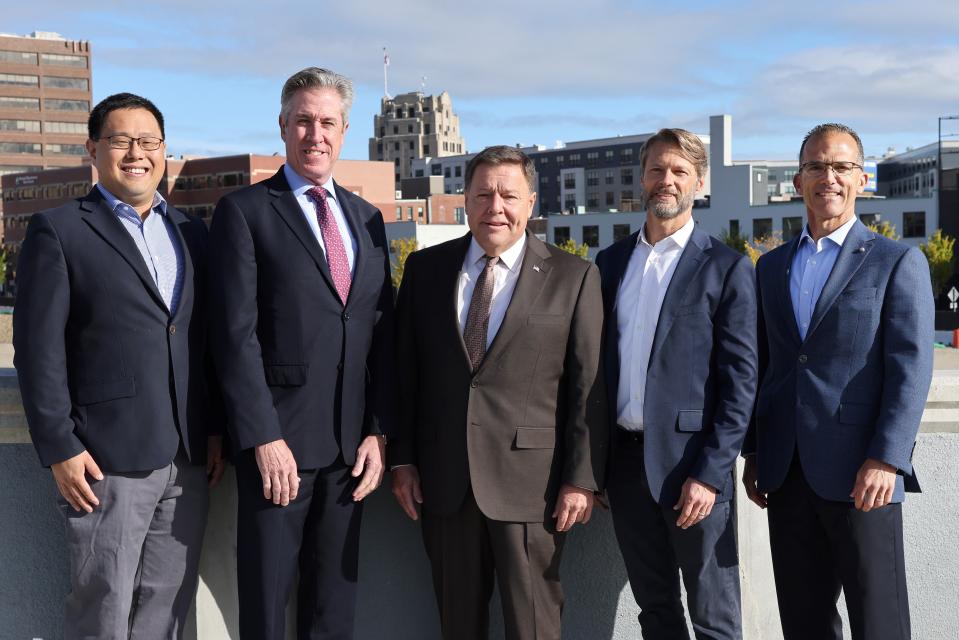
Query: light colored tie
(477,319)
(335,250)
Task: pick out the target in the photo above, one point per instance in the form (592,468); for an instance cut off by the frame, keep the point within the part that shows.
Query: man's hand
(573,505)
(71,477)
(874,486)
(750,478)
(406,488)
(215,462)
(278,470)
(370,456)
(695,503)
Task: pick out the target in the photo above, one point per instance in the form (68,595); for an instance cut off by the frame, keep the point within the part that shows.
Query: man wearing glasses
(845,338)
(110,338)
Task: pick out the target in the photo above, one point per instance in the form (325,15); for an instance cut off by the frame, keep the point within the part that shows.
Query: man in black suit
(110,335)
(303,343)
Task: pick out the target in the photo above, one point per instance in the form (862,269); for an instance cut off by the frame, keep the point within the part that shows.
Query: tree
(939,253)
(570,246)
(885,228)
(759,246)
(734,241)
(402,248)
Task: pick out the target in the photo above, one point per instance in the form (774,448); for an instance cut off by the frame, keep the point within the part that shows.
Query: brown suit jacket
(534,415)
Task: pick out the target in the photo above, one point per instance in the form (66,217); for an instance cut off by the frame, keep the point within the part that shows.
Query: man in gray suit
(845,337)
(502,434)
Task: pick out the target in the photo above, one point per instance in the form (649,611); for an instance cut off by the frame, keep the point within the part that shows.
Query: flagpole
(386,64)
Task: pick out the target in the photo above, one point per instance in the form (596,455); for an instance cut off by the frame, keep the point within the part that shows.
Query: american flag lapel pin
(536,267)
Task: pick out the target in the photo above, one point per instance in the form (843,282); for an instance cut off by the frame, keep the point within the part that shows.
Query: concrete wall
(395,599)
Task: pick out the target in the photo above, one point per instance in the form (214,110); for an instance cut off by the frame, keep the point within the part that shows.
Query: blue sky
(532,72)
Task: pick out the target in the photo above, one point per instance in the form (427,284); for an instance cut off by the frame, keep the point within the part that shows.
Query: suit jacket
(856,387)
(532,417)
(295,362)
(102,364)
(701,381)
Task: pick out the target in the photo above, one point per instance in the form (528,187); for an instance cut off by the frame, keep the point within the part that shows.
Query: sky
(531,72)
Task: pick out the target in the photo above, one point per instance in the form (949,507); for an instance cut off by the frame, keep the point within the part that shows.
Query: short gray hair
(690,147)
(314,78)
(832,127)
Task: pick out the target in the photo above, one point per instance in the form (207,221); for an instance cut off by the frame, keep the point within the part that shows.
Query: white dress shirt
(300,187)
(505,274)
(810,269)
(638,303)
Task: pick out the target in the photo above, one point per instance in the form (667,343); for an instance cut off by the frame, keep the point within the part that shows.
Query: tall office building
(45,96)
(414,125)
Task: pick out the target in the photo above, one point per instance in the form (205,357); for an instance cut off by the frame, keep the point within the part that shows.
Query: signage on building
(869,168)
(953,296)
(25,180)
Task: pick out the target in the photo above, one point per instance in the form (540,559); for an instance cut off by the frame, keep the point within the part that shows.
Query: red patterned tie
(335,251)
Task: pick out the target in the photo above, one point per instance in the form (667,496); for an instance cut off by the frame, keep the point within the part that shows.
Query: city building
(414,125)
(45,96)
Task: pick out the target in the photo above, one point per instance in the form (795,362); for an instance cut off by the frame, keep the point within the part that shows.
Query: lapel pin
(860,250)
(535,267)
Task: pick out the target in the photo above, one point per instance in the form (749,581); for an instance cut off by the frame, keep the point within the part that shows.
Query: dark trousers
(655,551)
(466,549)
(317,534)
(819,547)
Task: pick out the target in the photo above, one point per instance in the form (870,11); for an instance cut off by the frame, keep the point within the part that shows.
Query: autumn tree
(762,245)
(401,248)
(570,246)
(734,241)
(939,251)
(884,228)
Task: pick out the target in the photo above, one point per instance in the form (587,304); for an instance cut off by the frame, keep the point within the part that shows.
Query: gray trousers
(133,561)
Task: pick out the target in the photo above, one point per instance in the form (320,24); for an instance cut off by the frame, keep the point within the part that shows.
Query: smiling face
(830,199)
(670,182)
(131,174)
(498,204)
(313,129)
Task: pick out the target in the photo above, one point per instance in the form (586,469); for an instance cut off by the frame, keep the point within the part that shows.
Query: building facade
(414,125)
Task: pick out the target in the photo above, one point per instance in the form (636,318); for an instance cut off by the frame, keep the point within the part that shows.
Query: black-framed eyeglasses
(147,143)
(817,169)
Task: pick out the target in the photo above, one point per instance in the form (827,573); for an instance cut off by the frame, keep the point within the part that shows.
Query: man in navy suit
(681,364)
(110,338)
(846,333)
(304,344)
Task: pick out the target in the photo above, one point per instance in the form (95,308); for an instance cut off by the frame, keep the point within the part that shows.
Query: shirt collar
(300,185)
(680,237)
(510,258)
(159,204)
(838,236)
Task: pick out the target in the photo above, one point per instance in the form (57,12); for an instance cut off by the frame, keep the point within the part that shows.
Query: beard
(665,211)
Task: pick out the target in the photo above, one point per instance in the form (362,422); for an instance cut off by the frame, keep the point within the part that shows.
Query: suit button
(346,316)
(803,358)
(474,383)
(172,329)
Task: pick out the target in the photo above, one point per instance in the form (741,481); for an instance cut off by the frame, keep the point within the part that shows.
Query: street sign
(953,296)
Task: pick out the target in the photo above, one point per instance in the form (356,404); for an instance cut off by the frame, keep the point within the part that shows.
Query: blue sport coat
(856,387)
(702,367)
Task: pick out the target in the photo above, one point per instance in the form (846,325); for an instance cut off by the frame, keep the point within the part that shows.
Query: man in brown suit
(502,437)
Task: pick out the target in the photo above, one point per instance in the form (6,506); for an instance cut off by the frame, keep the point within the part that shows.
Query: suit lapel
(690,262)
(854,250)
(533,276)
(356,226)
(187,243)
(785,305)
(619,257)
(104,222)
(448,275)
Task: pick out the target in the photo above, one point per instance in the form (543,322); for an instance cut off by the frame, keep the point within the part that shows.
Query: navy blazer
(856,387)
(102,364)
(295,362)
(702,367)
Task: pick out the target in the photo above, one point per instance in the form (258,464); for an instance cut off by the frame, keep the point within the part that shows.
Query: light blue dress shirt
(811,267)
(300,187)
(158,243)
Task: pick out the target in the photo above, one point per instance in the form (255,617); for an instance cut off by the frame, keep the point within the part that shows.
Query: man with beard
(681,365)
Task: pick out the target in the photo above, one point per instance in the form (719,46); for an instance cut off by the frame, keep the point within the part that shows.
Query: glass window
(55,104)
(26,126)
(436,170)
(620,231)
(869,219)
(626,175)
(68,149)
(792,227)
(18,57)
(63,60)
(426,149)
(27,104)
(610,198)
(914,224)
(762,228)
(734,227)
(17,80)
(560,235)
(57,82)
(65,127)
(569,181)
(458,171)
(19,147)
(609,177)
(591,235)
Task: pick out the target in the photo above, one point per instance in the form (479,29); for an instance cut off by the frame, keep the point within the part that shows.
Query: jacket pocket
(535,437)
(105,391)
(690,420)
(286,375)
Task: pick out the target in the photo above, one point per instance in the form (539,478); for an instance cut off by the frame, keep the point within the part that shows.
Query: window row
(48,192)
(51,148)
(49,82)
(50,104)
(33,126)
(28,57)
